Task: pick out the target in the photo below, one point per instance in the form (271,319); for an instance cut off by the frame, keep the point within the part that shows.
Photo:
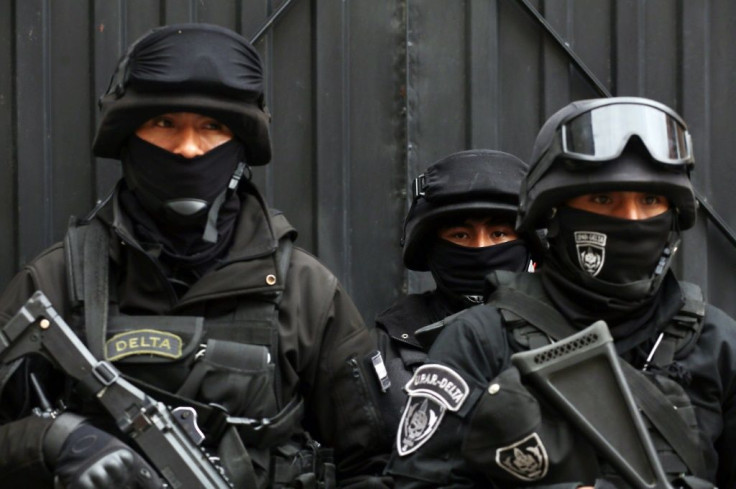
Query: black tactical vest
(225,368)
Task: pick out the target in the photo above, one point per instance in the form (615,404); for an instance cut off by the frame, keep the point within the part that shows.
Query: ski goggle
(602,133)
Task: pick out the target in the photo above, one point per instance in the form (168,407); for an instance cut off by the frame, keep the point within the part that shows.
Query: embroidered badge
(420,420)
(143,342)
(591,248)
(440,383)
(526,459)
(432,390)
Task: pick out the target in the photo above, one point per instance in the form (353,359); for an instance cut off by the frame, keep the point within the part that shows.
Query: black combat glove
(93,459)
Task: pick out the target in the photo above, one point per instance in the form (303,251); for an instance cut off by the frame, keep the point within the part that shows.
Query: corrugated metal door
(364,95)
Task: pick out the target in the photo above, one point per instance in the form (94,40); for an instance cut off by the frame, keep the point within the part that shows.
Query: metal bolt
(45,324)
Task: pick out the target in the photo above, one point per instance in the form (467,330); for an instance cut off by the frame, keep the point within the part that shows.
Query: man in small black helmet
(609,183)
(460,227)
(196,293)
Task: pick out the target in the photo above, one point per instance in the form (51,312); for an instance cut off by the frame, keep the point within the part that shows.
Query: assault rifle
(166,439)
(581,375)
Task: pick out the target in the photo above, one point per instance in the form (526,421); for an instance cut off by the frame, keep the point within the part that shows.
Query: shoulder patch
(420,420)
(526,459)
(440,383)
(144,342)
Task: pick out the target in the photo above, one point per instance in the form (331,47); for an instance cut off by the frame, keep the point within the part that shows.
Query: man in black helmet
(187,282)
(610,183)
(460,227)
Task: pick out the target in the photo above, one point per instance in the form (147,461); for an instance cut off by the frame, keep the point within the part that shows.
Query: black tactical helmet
(200,68)
(578,151)
(466,182)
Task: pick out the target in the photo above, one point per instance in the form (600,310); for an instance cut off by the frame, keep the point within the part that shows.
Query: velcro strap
(57,434)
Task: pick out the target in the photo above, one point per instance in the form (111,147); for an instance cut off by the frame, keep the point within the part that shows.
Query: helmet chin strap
(665,259)
(210,229)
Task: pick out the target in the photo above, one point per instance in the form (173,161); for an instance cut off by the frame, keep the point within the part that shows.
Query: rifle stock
(37,328)
(582,377)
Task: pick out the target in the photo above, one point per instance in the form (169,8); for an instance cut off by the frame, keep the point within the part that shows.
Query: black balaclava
(187,205)
(612,267)
(178,192)
(460,271)
(607,250)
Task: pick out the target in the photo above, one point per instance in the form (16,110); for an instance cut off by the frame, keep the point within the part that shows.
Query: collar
(248,266)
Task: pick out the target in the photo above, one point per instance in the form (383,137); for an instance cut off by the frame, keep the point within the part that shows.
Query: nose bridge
(188,142)
(482,236)
(629,207)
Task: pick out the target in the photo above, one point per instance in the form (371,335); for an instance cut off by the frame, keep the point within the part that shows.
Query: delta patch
(432,390)
(591,248)
(144,342)
(440,383)
(526,459)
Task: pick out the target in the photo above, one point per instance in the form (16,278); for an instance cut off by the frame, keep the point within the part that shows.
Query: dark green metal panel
(8,159)
(364,95)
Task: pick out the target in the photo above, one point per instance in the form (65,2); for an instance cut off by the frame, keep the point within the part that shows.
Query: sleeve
(46,273)
(428,447)
(471,423)
(719,350)
(21,454)
(334,347)
(21,435)
(358,432)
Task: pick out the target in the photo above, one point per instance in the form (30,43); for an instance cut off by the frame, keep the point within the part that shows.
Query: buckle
(105,373)
(420,185)
(237,175)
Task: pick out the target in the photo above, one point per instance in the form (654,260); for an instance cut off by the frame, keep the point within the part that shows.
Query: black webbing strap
(532,310)
(86,248)
(95,277)
(658,409)
(73,246)
(664,417)
(684,329)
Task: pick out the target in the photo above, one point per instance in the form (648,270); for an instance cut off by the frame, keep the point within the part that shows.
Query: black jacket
(402,351)
(321,335)
(474,353)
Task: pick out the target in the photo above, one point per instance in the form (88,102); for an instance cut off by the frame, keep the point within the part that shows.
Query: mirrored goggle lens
(602,133)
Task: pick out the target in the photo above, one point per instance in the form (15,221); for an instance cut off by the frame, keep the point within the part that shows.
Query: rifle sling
(664,417)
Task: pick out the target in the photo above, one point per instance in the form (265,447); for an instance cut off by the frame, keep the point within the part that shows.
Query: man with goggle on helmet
(609,190)
(187,282)
(460,227)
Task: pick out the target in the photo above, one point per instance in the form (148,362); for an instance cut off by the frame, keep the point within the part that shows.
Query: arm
(37,328)
(348,417)
(495,438)
(326,342)
(428,447)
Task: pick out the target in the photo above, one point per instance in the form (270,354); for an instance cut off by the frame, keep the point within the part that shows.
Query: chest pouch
(136,343)
(238,377)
